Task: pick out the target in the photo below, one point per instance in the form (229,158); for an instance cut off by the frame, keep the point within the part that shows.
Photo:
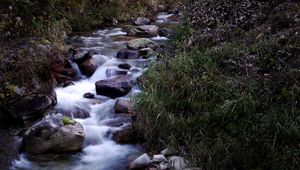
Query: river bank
(228,97)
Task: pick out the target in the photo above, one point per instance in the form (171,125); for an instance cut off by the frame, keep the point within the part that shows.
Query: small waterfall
(76,68)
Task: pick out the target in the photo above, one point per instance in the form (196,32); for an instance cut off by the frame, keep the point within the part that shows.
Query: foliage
(229,105)
(53,19)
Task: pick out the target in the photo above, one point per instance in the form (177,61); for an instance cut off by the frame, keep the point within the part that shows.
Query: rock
(146,52)
(159,158)
(141,162)
(127,54)
(67,83)
(135,70)
(73,113)
(165,32)
(35,104)
(115,87)
(89,95)
(114,72)
(125,136)
(141,43)
(177,162)
(124,66)
(54,134)
(88,67)
(163,166)
(81,57)
(142,21)
(69,72)
(145,30)
(174,17)
(168,152)
(123,106)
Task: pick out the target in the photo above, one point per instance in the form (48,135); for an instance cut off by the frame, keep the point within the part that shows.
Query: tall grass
(230,106)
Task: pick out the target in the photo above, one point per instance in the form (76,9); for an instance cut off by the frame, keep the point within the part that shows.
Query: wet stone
(124,66)
(89,95)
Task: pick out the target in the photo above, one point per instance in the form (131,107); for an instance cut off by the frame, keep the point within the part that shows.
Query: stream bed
(100,152)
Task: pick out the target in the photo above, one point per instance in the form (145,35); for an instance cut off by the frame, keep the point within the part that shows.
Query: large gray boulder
(144,30)
(115,87)
(140,43)
(54,134)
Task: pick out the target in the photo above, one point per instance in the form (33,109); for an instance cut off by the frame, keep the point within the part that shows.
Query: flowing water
(100,151)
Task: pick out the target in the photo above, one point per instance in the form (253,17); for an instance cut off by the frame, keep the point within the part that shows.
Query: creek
(100,152)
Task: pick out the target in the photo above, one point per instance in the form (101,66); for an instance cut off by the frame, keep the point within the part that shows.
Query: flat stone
(115,87)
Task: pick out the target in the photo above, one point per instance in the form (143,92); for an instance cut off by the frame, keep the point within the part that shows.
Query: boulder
(35,104)
(54,134)
(142,21)
(141,162)
(73,113)
(125,136)
(124,106)
(139,43)
(124,66)
(88,67)
(144,30)
(89,95)
(127,54)
(115,87)
(177,162)
(115,72)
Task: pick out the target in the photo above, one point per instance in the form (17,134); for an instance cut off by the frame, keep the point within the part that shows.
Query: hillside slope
(228,96)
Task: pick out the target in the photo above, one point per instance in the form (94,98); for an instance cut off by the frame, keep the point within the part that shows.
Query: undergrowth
(231,105)
(53,19)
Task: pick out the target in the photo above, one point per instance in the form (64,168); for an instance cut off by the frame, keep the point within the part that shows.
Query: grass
(228,106)
(53,19)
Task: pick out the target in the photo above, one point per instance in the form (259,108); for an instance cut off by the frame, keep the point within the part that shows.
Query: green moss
(68,121)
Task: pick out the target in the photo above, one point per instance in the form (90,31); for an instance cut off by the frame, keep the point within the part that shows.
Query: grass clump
(228,105)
